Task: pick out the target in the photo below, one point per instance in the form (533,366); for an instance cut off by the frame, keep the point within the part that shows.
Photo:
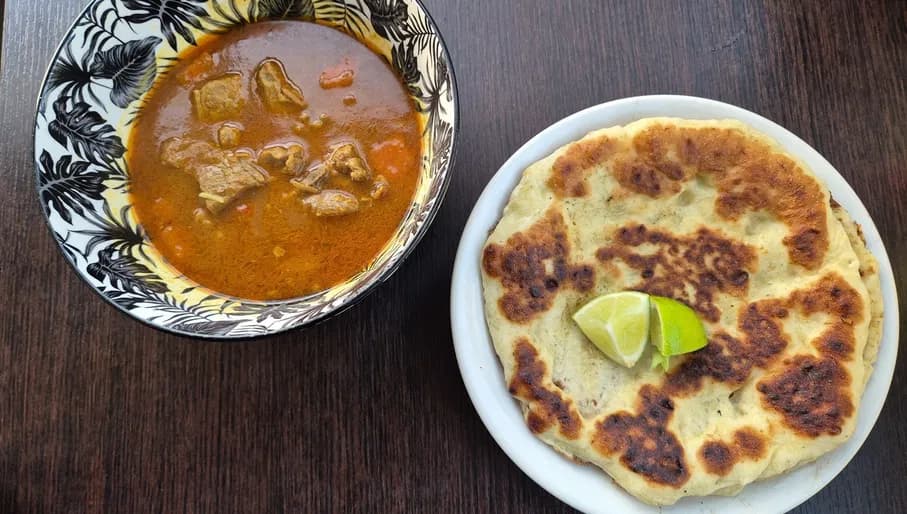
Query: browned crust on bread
(650,179)
(722,360)
(643,441)
(533,266)
(706,262)
(568,176)
(749,174)
(547,406)
(719,457)
(810,394)
(729,360)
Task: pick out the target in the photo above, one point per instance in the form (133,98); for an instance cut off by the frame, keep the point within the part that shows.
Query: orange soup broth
(267,244)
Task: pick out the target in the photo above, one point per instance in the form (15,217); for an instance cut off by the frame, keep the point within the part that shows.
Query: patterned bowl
(93,90)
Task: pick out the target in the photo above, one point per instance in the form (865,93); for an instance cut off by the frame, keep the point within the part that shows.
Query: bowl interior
(92,93)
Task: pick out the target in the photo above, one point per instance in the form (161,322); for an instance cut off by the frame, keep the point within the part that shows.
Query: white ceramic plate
(585,487)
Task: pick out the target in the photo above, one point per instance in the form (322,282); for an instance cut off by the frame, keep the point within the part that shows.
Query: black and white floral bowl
(92,92)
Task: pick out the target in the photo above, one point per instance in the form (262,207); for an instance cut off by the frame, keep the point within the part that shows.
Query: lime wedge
(618,324)
(676,329)
(660,360)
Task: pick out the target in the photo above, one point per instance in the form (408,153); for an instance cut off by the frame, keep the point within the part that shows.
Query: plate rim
(468,325)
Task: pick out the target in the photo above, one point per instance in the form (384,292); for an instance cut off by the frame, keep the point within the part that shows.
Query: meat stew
(275,160)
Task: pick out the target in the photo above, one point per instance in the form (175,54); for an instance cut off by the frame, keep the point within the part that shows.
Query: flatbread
(869,272)
(720,217)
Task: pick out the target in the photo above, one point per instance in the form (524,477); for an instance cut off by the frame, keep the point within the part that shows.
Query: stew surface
(275,160)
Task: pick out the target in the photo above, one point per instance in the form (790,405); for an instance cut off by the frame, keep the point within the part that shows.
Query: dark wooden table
(367,412)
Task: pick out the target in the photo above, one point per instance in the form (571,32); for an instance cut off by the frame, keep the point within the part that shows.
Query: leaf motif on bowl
(404,61)
(349,15)
(130,66)
(175,17)
(285,9)
(125,272)
(388,17)
(86,131)
(116,232)
(73,74)
(67,186)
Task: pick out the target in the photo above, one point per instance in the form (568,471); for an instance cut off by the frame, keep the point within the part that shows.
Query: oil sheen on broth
(275,160)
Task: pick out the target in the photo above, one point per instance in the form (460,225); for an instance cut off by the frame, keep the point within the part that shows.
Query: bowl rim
(391,266)
(482,374)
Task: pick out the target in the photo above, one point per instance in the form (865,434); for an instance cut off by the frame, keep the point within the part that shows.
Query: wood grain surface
(367,412)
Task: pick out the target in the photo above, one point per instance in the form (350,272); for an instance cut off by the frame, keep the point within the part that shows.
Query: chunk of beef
(223,182)
(222,175)
(312,182)
(332,202)
(187,153)
(273,157)
(290,159)
(279,94)
(380,187)
(199,69)
(297,160)
(345,159)
(228,135)
(219,98)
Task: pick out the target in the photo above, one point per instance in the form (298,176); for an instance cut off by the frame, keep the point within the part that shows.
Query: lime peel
(622,324)
(660,360)
(617,324)
(676,329)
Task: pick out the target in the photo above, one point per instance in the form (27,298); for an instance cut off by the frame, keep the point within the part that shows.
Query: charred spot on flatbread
(722,360)
(705,262)
(729,360)
(810,394)
(547,405)
(749,175)
(773,183)
(651,179)
(749,443)
(761,321)
(832,295)
(568,175)
(533,266)
(703,149)
(645,445)
(719,457)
